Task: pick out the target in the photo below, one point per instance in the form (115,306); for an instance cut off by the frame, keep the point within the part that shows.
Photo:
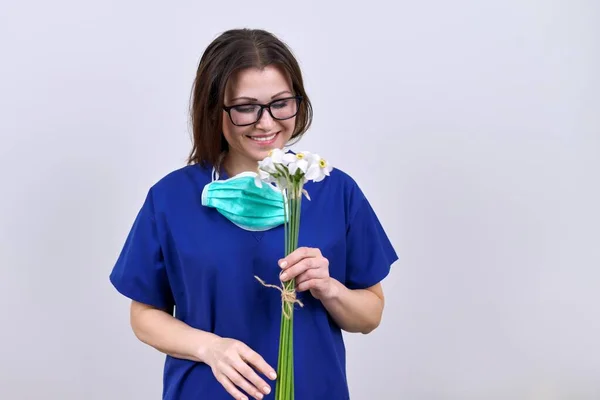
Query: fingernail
(273,375)
(283,276)
(283,264)
(267,390)
(259,395)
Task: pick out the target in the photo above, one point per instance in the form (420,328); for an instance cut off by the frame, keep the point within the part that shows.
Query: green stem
(280,358)
(285,383)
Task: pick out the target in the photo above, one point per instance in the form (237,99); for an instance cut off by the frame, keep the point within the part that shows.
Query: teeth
(263,139)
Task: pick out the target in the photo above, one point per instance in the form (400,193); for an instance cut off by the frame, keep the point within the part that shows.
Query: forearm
(357,310)
(169,335)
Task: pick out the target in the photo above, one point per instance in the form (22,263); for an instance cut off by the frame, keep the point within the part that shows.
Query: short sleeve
(370,253)
(140,273)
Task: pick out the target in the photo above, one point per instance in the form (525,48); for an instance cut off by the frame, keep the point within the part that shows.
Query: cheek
(230,131)
(288,126)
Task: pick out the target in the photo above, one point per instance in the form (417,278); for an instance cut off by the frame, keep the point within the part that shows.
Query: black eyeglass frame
(298,99)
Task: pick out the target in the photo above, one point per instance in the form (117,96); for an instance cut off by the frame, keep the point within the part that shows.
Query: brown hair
(231,51)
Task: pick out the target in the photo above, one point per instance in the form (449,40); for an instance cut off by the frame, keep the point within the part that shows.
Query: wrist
(335,290)
(203,344)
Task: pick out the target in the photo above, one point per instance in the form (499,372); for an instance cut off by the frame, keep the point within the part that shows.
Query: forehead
(257,83)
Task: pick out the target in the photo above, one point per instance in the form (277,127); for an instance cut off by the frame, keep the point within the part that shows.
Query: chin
(262,154)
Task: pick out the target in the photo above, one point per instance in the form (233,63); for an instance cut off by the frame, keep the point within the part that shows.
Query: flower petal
(302,165)
(277,156)
(305,192)
(289,158)
(267,165)
(312,172)
(292,167)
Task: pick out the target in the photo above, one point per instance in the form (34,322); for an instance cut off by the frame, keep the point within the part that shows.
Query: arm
(358,310)
(167,334)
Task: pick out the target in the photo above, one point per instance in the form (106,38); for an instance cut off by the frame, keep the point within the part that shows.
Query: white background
(473,127)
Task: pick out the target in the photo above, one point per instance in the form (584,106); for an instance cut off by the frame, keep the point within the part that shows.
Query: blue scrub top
(182,253)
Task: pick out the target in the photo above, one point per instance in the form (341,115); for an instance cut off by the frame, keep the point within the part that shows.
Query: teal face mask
(246,205)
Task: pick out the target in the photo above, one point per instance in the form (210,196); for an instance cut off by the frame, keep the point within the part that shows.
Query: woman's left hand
(311,271)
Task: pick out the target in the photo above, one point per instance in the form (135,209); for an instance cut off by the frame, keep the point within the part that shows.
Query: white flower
(277,155)
(267,165)
(262,176)
(299,164)
(318,168)
(314,170)
(299,161)
(275,163)
(289,158)
(285,168)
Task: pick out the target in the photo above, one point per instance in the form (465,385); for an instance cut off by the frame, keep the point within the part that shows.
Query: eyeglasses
(248,114)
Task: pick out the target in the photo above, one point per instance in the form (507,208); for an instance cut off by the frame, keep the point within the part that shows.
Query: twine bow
(288,297)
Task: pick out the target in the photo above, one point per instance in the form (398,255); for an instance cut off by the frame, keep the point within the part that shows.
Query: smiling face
(252,143)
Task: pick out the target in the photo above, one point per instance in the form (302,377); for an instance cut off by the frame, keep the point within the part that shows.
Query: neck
(234,164)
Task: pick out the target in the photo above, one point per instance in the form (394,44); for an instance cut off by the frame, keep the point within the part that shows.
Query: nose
(265,122)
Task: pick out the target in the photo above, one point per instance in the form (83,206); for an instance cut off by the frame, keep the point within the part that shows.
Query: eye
(246,109)
(280,104)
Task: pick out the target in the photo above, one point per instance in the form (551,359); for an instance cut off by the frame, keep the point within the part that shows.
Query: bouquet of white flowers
(289,172)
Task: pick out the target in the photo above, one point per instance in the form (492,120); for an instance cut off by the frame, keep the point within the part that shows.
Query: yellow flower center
(270,153)
(323,163)
(299,156)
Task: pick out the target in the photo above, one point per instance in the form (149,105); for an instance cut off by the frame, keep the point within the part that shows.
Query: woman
(221,339)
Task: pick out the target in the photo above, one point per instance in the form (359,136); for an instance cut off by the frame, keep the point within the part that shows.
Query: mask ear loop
(215,170)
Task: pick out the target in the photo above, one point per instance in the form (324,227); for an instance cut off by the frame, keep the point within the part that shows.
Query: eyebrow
(253,99)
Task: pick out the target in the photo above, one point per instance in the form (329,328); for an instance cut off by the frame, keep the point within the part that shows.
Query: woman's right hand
(231,362)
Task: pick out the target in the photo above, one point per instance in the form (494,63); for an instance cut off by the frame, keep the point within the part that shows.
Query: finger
(230,387)
(297,255)
(258,362)
(312,284)
(259,384)
(313,273)
(302,266)
(307,285)
(295,270)
(236,378)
